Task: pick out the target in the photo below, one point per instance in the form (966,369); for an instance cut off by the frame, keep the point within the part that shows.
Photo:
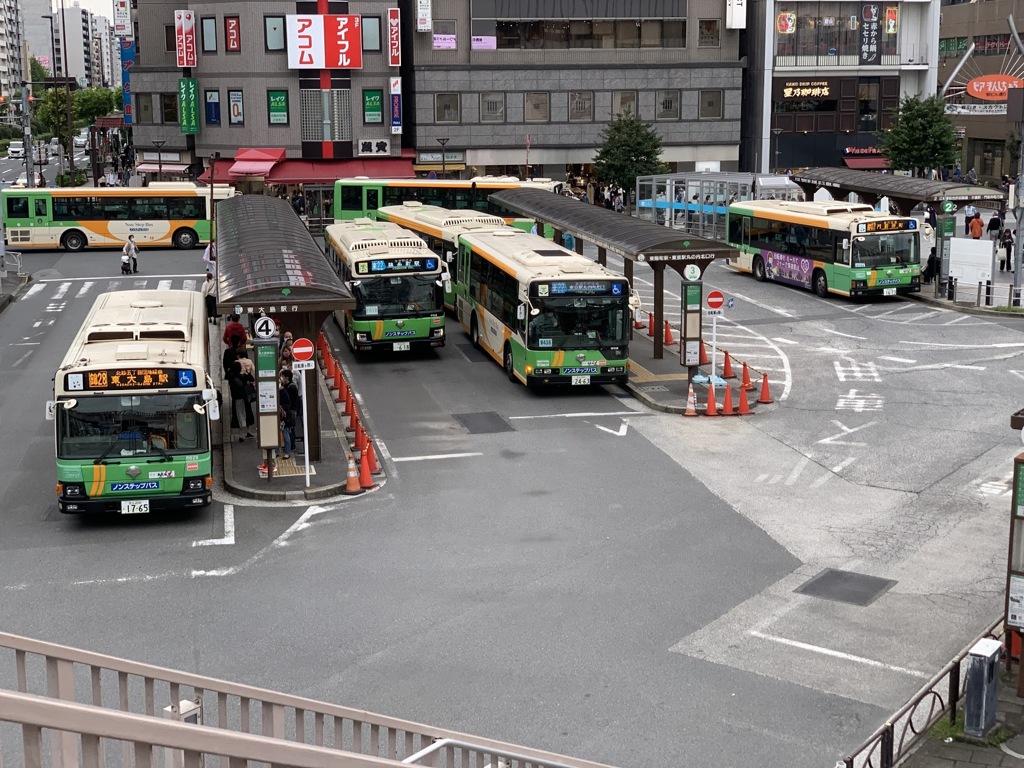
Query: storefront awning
(318,171)
(251,167)
(160,168)
(866,163)
(264,154)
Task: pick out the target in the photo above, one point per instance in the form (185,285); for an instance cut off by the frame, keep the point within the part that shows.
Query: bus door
(21,221)
(43,232)
(463,308)
(371,200)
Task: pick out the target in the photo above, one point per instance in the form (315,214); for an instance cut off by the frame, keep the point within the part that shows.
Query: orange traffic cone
(727,367)
(329,369)
(353,416)
(703,355)
(746,385)
(343,392)
(360,441)
(339,384)
(371,458)
(650,324)
(637,322)
(727,402)
(668,334)
(365,480)
(691,403)
(766,395)
(352,485)
(744,409)
(712,407)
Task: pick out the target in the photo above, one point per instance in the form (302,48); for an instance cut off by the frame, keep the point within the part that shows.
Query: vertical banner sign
(185,38)
(127,62)
(396,104)
(869,27)
(324,42)
(277,107)
(122,19)
(736,14)
(424,16)
(394,38)
(236,110)
(188,93)
(232,34)
(373,107)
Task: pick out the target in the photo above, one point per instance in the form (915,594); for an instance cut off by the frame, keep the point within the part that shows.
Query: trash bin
(951,288)
(982,687)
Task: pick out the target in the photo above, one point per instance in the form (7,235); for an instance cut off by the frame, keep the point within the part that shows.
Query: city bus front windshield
(110,427)
(887,250)
(393,296)
(579,323)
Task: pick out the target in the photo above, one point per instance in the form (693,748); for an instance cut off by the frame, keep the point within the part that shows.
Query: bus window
(17,207)
(372,200)
(40,204)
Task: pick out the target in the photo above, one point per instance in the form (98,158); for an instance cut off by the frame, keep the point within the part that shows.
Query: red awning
(876,163)
(251,167)
(268,155)
(326,171)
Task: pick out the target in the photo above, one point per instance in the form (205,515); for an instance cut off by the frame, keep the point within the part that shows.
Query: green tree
(38,72)
(90,103)
(52,114)
(921,137)
(630,147)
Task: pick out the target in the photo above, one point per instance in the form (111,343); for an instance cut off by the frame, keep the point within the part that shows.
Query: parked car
(16,150)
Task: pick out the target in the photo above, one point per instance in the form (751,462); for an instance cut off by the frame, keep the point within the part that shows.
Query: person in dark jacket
(995,227)
(930,267)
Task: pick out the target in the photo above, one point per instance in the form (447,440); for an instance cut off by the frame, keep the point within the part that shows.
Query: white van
(16,150)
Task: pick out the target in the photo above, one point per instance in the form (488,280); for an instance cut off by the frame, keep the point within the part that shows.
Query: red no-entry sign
(302,349)
(715,300)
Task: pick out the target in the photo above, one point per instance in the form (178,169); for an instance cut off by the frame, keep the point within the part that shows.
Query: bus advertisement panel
(828,247)
(132,406)
(398,284)
(548,315)
(163,214)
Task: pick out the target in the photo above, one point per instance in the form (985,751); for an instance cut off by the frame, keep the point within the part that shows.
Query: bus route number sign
(264,327)
(396,266)
(887,225)
(131,379)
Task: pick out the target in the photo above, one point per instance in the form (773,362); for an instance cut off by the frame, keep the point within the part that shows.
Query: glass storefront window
(867,105)
(563,34)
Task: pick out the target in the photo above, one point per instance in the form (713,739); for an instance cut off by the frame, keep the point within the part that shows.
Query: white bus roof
(363,237)
(532,257)
(441,222)
(828,213)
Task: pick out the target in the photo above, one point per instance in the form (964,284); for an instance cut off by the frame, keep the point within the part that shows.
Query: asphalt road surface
(568,570)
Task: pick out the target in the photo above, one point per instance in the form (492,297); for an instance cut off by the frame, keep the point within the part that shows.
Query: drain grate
(846,587)
(487,422)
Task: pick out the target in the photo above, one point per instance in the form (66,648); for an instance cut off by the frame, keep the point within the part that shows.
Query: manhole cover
(655,388)
(482,423)
(846,587)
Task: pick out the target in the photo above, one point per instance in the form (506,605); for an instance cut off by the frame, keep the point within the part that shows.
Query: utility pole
(1015,112)
(26,127)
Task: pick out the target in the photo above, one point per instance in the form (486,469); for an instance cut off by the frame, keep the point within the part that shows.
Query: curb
(967,309)
(8,298)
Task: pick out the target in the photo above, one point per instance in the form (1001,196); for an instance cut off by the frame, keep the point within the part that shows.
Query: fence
(88,701)
(985,294)
(894,739)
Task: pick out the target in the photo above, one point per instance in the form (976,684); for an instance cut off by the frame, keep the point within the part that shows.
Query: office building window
(446,108)
(492,107)
(667,105)
(144,108)
(445,35)
(371,33)
(623,102)
(168,107)
(209,32)
(170,43)
(709,33)
(273,33)
(537,107)
(339,115)
(710,106)
(581,106)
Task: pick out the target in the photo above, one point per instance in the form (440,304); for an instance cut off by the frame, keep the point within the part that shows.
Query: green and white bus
(398,284)
(441,229)
(828,247)
(163,214)
(361,197)
(132,405)
(547,314)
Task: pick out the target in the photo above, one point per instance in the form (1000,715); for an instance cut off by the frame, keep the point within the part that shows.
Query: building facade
(38,28)
(824,77)
(75,52)
(12,48)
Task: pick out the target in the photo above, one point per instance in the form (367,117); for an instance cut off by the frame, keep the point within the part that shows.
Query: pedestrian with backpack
(131,250)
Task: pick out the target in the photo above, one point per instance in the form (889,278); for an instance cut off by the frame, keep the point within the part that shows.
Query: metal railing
(893,740)
(105,690)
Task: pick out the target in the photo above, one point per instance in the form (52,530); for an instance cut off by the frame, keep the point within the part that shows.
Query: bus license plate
(580,381)
(888,291)
(135,507)
(400,346)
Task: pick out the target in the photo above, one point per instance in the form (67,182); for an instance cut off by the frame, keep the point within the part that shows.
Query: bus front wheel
(820,284)
(510,366)
(474,332)
(759,269)
(185,239)
(74,240)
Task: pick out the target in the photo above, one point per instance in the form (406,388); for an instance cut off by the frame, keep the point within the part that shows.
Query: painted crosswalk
(57,292)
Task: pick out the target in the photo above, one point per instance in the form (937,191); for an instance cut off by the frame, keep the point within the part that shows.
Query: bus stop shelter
(637,241)
(268,263)
(906,191)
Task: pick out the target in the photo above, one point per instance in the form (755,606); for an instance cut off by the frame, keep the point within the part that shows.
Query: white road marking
(969,367)
(761,478)
(898,360)
(845,335)
(81,279)
(998,345)
(435,457)
(575,415)
(140,284)
(795,474)
(1019,374)
(832,439)
(840,655)
(63,289)
(33,289)
(621,432)
(838,468)
(229,531)
(86,287)
(784,341)
(25,344)
(163,285)
(22,359)
(188,285)
(957,320)
(892,311)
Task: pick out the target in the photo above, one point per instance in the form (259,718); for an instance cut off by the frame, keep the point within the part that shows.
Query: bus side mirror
(521,312)
(51,410)
(846,244)
(449,256)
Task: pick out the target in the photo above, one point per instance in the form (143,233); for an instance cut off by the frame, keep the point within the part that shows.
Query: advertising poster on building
(395,91)
(424,16)
(869,29)
(394,38)
(212,107)
(127,62)
(188,98)
(185,39)
(232,34)
(373,106)
(324,42)
(277,107)
(122,19)
(236,110)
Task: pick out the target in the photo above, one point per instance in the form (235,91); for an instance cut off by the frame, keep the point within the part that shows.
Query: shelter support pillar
(579,245)
(602,258)
(659,309)
(308,326)
(559,234)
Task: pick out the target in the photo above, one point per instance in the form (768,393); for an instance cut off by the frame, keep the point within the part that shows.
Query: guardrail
(115,689)
(893,740)
(12,260)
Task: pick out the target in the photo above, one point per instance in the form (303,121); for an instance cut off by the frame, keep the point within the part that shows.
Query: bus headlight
(362,337)
(437,333)
(71,490)
(195,483)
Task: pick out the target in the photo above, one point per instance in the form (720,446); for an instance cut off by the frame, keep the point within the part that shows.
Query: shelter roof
(894,186)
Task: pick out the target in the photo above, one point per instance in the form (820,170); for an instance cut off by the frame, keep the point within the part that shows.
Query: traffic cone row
(668,334)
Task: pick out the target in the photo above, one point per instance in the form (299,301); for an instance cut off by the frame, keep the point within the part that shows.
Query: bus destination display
(397,266)
(580,288)
(131,379)
(887,225)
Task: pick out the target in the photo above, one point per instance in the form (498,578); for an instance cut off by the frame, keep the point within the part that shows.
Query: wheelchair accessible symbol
(186,379)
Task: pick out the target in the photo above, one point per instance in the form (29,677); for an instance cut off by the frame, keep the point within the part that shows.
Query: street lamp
(159,143)
(776,152)
(443,142)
